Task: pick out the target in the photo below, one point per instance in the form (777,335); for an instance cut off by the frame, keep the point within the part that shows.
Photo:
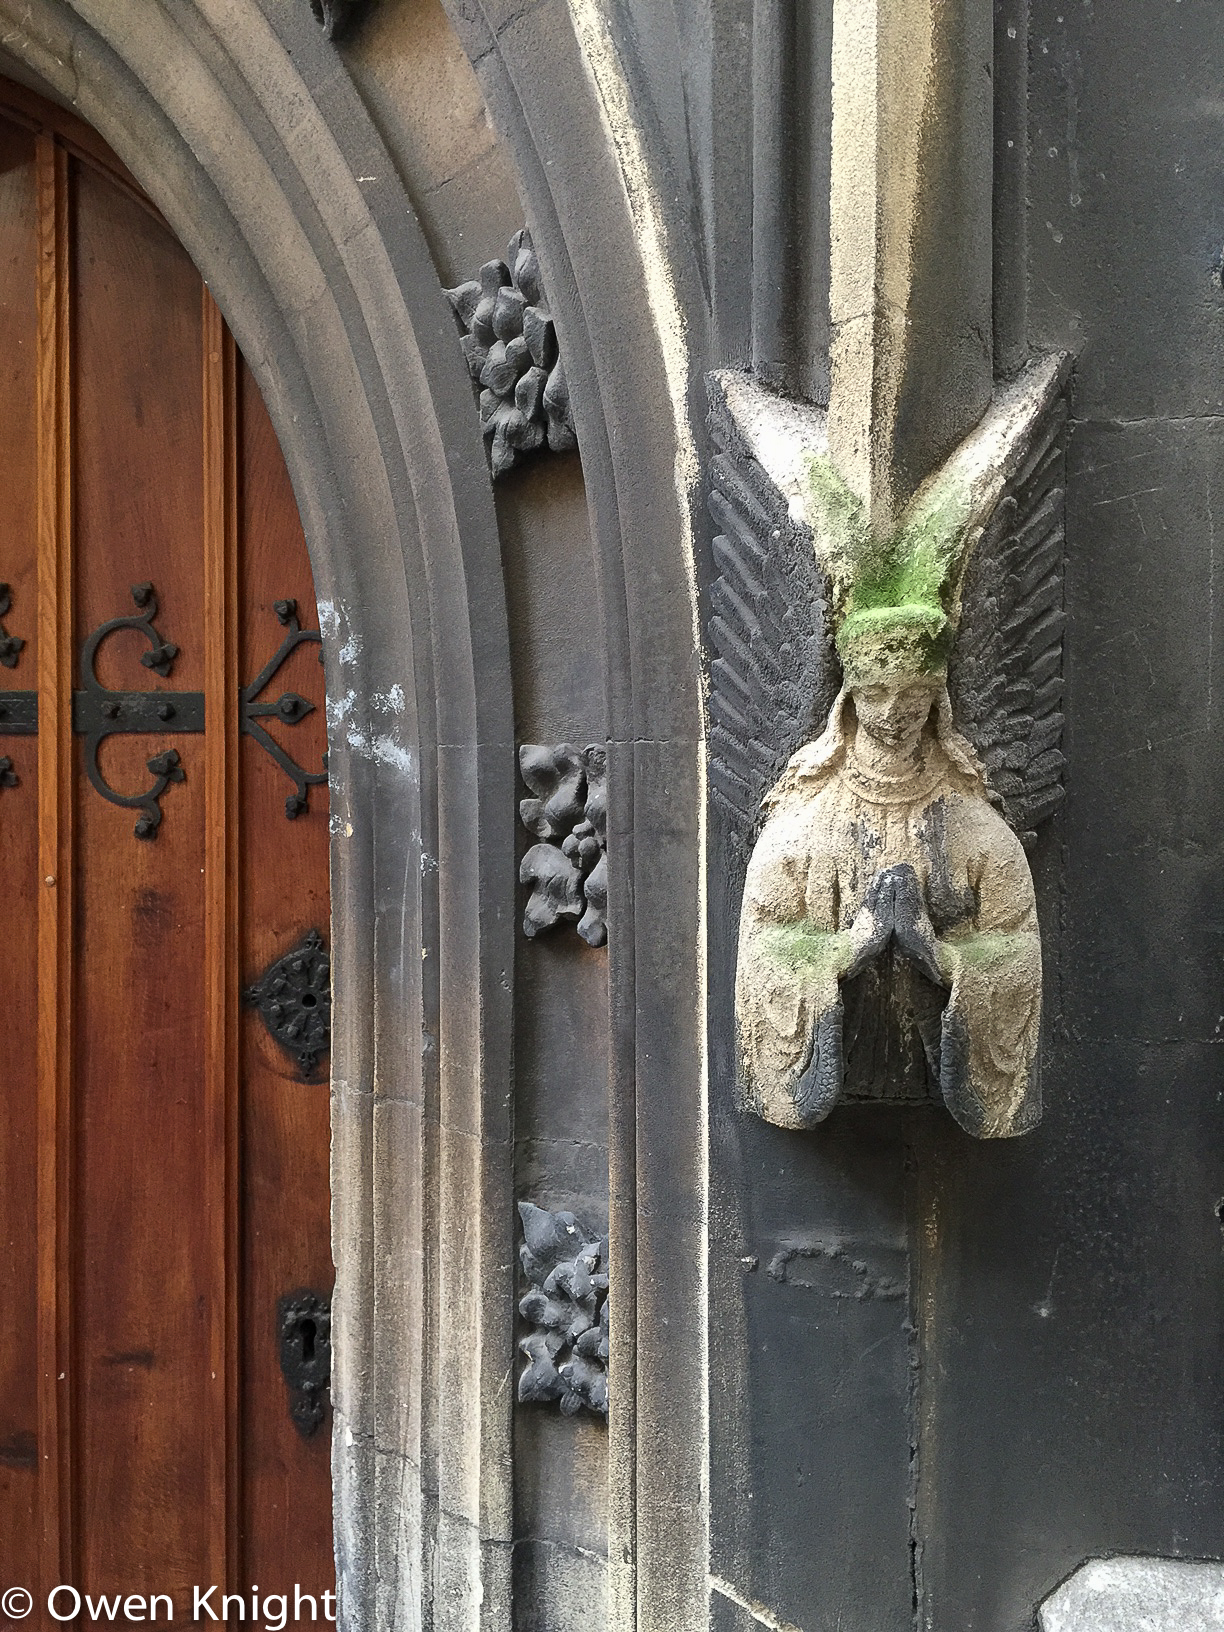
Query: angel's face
(894,715)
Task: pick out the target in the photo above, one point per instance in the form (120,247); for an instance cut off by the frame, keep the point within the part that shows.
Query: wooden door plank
(286,1144)
(57,1381)
(143,1270)
(181,1180)
(20,887)
(221,947)
(26,107)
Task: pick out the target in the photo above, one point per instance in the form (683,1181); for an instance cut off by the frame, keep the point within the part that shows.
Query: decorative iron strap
(99,712)
(18,713)
(288,707)
(10,645)
(293,997)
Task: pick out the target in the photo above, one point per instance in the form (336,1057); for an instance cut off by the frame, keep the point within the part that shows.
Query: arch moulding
(240,121)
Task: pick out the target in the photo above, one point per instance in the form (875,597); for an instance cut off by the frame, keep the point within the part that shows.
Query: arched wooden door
(165,1269)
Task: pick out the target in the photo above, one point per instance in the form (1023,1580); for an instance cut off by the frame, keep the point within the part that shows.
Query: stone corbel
(886,690)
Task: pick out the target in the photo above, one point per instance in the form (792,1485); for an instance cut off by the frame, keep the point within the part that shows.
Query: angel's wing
(1005,676)
(775,674)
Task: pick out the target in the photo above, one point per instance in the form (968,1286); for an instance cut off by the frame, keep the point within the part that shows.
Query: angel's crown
(896,598)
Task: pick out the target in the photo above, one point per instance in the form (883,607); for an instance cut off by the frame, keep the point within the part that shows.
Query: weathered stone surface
(881,859)
(1137,1595)
(910,261)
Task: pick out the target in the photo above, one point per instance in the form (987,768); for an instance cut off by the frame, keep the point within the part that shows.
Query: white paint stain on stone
(391,701)
(329,619)
(370,743)
(339,709)
(384,750)
(389,752)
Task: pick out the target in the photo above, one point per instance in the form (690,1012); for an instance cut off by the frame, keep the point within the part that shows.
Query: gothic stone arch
(241,122)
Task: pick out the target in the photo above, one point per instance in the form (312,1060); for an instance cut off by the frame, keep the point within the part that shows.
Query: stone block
(1137,1595)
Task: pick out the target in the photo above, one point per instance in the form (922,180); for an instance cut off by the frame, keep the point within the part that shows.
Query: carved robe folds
(811,873)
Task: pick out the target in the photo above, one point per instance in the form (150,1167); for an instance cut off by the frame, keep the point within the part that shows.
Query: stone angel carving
(885,729)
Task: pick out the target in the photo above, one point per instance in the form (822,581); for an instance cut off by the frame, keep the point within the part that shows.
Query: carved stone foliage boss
(565,1349)
(885,738)
(567,872)
(510,344)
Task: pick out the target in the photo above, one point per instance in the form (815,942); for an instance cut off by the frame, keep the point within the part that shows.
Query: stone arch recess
(243,127)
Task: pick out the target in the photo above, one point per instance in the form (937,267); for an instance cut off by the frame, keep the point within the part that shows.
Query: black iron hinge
(98,712)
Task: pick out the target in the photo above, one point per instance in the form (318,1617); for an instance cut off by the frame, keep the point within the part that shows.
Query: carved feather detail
(1005,673)
(775,674)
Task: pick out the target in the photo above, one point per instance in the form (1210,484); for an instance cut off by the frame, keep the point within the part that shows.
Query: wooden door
(163,843)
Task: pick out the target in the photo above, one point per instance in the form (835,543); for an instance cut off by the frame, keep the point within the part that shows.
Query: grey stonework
(1137,1595)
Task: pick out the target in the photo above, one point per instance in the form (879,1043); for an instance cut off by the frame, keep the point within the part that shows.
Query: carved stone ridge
(336,17)
(567,872)
(566,1349)
(885,706)
(510,345)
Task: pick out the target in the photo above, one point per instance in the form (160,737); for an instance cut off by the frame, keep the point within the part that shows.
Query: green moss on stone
(892,594)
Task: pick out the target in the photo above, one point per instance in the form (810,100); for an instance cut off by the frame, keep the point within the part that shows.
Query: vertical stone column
(910,258)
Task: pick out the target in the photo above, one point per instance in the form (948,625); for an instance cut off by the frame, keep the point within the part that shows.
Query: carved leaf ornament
(567,873)
(510,345)
(566,1348)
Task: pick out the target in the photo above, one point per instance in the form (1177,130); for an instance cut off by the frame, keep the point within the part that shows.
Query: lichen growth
(804,950)
(986,951)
